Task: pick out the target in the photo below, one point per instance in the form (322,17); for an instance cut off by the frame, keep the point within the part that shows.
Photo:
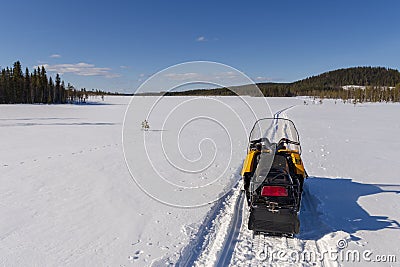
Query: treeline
(202,92)
(36,87)
(381,84)
(18,87)
(330,84)
(360,95)
(365,76)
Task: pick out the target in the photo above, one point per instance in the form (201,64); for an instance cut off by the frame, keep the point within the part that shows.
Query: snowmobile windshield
(276,129)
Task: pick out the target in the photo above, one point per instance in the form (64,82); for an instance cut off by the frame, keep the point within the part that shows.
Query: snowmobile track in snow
(215,232)
(269,250)
(229,247)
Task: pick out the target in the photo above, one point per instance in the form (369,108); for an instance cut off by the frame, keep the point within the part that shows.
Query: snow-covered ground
(68,198)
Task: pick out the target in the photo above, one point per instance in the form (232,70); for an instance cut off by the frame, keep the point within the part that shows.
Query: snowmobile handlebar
(288,141)
(267,143)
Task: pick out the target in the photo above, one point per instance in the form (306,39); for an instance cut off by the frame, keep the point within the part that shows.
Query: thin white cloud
(124,67)
(141,77)
(201,39)
(81,69)
(55,56)
(183,76)
(190,76)
(267,79)
(226,75)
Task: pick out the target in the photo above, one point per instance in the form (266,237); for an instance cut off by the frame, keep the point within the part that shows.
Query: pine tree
(57,90)
(18,83)
(63,93)
(397,93)
(28,96)
(3,87)
(50,95)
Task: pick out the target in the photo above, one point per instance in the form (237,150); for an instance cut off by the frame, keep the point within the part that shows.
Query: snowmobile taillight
(274,191)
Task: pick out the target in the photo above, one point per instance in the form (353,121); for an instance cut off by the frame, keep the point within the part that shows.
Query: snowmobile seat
(280,162)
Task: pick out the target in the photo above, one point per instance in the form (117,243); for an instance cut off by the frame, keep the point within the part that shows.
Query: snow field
(68,198)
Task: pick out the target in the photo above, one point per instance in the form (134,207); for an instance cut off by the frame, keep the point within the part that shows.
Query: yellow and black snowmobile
(273,175)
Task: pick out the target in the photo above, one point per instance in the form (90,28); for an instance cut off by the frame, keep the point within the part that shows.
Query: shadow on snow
(331,204)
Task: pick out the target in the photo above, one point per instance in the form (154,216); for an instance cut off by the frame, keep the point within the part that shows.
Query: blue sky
(115,45)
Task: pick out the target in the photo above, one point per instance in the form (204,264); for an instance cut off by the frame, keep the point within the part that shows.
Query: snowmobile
(273,175)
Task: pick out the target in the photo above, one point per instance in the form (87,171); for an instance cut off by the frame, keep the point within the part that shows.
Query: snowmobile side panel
(248,166)
(298,163)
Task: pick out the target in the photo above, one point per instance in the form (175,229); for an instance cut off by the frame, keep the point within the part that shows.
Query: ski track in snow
(224,240)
